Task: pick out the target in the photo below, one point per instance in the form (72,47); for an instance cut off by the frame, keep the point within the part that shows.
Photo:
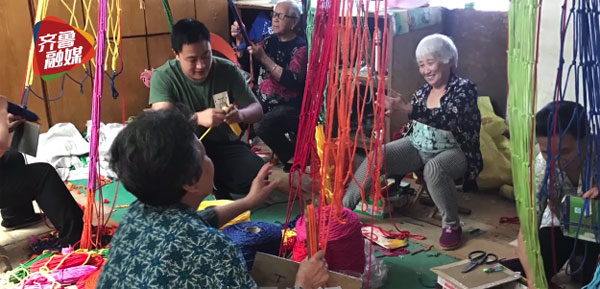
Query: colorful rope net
(108,41)
(585,87)
(583,17)
(523,18)
(341,45)
(94,176)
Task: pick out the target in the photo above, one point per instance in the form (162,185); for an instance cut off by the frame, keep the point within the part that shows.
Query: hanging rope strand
(523,53)
(40,14)
(86,238)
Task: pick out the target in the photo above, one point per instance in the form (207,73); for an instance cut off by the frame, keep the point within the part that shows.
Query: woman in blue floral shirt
(163,242)
(442,137)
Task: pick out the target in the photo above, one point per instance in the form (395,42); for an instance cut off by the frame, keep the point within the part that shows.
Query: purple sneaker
(450,238)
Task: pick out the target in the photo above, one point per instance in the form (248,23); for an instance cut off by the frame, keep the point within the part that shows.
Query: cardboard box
(574,213)
(451,277)
(271,271)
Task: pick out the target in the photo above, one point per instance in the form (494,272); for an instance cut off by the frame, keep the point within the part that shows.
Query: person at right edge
(572,122)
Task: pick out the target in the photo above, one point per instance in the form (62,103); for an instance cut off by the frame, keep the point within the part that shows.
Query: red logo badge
(59,47)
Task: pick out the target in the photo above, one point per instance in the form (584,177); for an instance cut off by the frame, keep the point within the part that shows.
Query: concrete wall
(481,38)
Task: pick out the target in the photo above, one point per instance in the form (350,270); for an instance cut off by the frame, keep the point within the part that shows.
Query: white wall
(481,5)
(549,51)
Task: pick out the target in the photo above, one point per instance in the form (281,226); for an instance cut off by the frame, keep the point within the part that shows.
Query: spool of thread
(252,237)
(243,217)
(345,245)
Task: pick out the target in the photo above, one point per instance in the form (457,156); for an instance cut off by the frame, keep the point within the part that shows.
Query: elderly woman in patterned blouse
(163,242)
(283,59)
(442,137)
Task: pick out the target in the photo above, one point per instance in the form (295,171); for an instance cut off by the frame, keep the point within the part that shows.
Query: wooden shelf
(255,4)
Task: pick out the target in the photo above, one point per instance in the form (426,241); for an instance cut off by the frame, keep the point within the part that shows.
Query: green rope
(168,13)
(310,26)
(521,65)
(22,270)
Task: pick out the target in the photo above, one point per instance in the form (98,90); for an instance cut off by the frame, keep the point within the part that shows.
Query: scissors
(480,257)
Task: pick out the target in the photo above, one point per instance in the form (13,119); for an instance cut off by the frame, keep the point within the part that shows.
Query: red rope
(553,147)
(338,50)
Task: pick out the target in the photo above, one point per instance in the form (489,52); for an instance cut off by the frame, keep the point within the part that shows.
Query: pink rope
(86,240)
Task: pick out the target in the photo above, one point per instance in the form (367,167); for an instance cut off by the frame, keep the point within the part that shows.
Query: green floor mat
(274,213)
(405,271)
(108,191)
(412,272)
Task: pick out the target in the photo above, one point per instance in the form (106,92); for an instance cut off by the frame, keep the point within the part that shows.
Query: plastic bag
(378,271)
(495,148)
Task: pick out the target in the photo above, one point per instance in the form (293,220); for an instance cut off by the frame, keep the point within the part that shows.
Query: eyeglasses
(281,16)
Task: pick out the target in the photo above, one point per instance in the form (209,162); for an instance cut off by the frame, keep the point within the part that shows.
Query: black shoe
(287,167)
(14,224)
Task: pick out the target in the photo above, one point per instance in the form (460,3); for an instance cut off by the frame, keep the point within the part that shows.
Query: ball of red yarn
(345,245)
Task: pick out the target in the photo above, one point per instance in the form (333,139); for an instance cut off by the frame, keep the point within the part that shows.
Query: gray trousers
(439,171)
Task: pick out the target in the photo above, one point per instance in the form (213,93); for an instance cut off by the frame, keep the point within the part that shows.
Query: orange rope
(92,280)
(340,46)
(311,231)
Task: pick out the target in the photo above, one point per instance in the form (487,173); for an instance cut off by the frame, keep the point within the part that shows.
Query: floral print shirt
(292,56)
(550,216)
(458,112)
(172,247)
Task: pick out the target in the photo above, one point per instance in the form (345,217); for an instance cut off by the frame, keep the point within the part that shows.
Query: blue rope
(113,89)
(114,75)
(87,74)
(595,282)
(585,69)
(267,239)
(586,35)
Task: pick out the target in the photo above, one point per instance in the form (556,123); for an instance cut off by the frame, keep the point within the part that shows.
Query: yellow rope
(71,10)
(113,34)
(40,14)
(86,6)
(205,133)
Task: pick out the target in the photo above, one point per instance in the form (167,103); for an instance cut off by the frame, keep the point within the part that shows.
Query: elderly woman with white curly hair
(441,138)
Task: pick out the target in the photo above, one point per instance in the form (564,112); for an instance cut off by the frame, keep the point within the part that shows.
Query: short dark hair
(188,31)
(571,118)
(156,155)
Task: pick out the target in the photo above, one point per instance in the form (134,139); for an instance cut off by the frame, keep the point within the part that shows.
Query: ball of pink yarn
(345,245)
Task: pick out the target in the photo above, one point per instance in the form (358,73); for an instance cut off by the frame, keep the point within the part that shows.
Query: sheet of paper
(221,100)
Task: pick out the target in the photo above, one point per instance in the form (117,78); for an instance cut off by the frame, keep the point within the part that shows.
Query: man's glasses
(281,16)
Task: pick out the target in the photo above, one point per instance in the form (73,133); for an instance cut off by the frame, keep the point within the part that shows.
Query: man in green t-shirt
(206,85)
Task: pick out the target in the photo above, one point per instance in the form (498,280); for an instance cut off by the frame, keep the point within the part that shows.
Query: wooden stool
(423,189)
